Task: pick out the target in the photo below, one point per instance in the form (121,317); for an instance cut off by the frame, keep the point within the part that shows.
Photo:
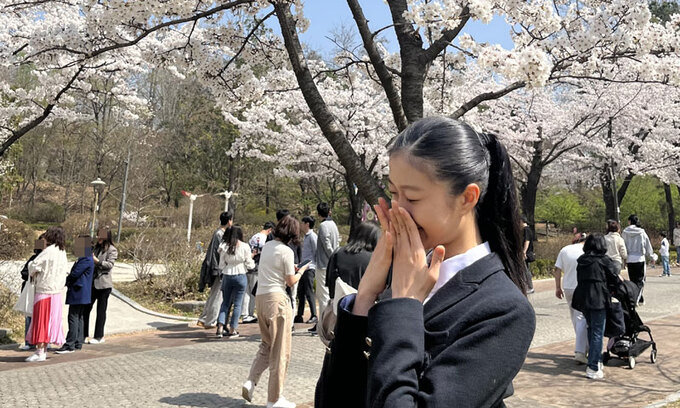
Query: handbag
(325,328)
(25,303)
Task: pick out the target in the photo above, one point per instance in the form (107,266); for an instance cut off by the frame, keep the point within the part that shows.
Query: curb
(142,309)
(669,399)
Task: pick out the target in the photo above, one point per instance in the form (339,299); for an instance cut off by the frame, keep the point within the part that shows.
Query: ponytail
(498,215)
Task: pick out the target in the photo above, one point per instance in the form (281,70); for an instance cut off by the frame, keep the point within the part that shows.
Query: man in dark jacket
(79,294)
(211,276)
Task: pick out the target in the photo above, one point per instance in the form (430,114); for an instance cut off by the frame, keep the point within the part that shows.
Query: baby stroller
(624,327)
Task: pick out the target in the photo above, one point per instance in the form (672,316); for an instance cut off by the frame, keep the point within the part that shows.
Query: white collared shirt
(450,267)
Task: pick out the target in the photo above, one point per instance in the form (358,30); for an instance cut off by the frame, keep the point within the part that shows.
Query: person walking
(529,255)
(274,312)
(211,275)
(38,247)
(79,294)
(664,252)
(639,248)
(48,270)
(328,241)
(104,256)
(256,242)
(306,285)
(455,327)
(597,276)
(616,247)
(235,260)
(676,243)
(567,261)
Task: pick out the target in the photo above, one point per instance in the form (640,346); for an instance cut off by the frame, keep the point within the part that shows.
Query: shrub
(16,240)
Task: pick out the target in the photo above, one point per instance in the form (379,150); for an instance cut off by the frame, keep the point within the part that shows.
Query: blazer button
(367,355)
(369,342)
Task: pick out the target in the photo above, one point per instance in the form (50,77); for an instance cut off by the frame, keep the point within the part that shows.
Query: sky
(327,15)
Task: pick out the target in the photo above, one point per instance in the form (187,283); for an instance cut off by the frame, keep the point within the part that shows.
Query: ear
(470,197)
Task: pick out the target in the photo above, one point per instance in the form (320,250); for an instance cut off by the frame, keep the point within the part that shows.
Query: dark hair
(595,244)
(226,216)
(281,213)
(455,153)
(323,209)
(663,234)
(582,236)
(56,236)
(108,242)
(232,236)
(612,226)
(267,225)
(309,220)
(288,230)
(634,220)
(364,237)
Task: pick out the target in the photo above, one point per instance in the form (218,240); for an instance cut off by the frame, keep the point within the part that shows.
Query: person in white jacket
(48,271)
(676,242)
(235,260)
(639,248)
(616,247)
(665,252)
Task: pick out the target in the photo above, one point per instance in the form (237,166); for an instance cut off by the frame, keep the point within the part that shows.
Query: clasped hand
(400,246)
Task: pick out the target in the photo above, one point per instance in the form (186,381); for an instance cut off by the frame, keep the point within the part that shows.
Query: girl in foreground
(452,330)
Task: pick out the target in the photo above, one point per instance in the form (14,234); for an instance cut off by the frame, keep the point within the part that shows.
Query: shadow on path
(202,399)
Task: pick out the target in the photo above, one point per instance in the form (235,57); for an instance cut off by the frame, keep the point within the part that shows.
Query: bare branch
(474,102)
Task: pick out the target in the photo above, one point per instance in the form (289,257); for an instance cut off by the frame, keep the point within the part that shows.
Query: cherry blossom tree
(228,45)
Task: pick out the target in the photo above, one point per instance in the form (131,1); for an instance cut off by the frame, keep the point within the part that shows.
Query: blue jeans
(233,289)
(666,265)
(596,319)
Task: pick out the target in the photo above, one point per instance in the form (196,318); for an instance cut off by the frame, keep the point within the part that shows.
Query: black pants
(101,296)
(306,291)
(76,326)
(636,273)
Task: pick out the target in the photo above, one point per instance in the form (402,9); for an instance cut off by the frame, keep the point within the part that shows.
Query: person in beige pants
(277,270)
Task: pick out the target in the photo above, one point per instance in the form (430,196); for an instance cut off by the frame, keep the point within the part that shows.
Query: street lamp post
(98,186)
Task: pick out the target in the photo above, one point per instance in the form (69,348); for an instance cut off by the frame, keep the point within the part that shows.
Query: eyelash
(395,194)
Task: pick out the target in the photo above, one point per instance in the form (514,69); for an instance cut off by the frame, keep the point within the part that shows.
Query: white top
(616,247)
(258,240)
(239,262)
(49,270)
(676,236)
(567,262)
(450,267)
(665,246)
(276,261)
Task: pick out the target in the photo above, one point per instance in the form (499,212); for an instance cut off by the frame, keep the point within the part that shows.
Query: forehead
(407,172)
(102,233)
(82,242)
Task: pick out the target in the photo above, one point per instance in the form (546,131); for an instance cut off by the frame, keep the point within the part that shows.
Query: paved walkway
(187,366)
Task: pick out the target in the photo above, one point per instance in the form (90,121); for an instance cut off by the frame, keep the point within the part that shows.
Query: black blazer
(597,278)
(462,349)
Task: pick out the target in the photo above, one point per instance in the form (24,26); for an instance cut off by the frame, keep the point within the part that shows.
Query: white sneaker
(87,340)
(580,358)
(594,375)
(95,341)
(24,347)
(37,357)
(247,390)
(281,403)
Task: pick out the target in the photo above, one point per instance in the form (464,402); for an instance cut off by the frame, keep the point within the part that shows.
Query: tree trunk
(669,208)
(328,124)
(621,193)
(355,204)
(608,193)
(529,190)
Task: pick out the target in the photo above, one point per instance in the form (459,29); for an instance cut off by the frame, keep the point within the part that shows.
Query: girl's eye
(393,194)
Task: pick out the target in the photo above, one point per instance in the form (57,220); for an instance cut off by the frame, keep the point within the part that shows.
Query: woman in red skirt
(48,271)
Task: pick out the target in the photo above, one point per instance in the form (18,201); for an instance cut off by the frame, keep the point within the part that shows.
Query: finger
(382,217)
(411,229)
(436,262)
(401,229)
(384,204)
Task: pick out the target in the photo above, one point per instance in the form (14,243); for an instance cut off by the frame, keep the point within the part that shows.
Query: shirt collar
(450,267)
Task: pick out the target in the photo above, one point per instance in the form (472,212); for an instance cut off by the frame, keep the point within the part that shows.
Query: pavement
(183,365)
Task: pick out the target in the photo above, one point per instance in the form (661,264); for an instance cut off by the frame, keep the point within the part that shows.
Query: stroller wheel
(605,357)
(631,362)
(652,356)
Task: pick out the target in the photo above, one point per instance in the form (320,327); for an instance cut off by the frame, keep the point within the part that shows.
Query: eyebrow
(406,186)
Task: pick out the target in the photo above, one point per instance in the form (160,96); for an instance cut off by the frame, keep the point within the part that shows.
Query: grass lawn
(146,295)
